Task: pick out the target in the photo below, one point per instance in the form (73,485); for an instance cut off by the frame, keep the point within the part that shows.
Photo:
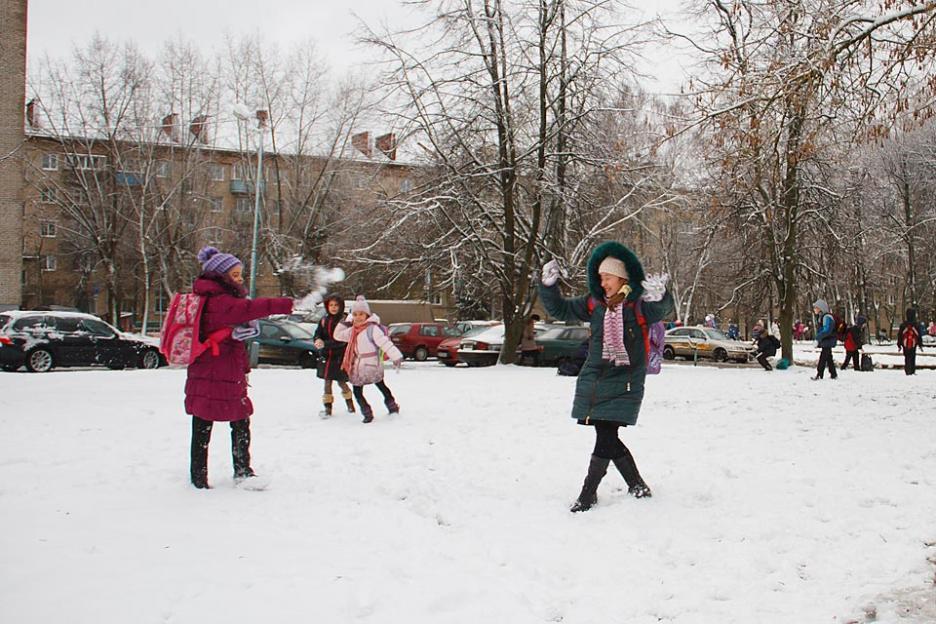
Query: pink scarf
(612,344)
(350,354)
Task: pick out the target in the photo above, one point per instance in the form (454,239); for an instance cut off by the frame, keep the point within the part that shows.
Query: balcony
(245,187)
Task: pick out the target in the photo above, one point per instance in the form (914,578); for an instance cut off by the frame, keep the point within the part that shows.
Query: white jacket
(368,367)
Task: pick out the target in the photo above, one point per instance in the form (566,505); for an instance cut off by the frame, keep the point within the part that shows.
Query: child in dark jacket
(767,345)
(216,387)
(854,340)
(332,353)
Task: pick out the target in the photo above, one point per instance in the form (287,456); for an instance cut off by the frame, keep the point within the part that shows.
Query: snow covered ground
(776,499)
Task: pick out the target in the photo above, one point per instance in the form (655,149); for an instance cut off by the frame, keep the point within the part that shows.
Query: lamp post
(261,116)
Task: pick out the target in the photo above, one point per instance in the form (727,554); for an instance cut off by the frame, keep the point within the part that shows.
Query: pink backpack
(179,340)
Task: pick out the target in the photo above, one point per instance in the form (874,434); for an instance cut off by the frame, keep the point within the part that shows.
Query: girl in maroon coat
(216,388)
(332,353)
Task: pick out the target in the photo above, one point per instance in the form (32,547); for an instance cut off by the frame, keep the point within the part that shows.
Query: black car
(284,342)
(41,341)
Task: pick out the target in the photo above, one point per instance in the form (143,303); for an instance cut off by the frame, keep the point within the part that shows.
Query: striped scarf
(612,345)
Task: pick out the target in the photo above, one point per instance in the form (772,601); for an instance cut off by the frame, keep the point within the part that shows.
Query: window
(213,236)
(429,330)
(215,172)
(50,162)
(163,168)
(47,229)
(270,331)
(87,161)
(216,203)
(48,195)
(97,328)
(399,329)
(238,172)
(66,324)
(244,204)
(49,263)
(30,323)
(406,185)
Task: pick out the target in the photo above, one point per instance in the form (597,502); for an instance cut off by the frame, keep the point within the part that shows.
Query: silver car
(704,342)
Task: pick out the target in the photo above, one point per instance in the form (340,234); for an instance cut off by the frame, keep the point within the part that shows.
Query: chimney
(170,126)
(361,142)
(386,143)
(199,128)
(31,113)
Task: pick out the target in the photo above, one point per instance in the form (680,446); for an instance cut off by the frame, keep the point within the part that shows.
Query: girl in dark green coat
(610,386)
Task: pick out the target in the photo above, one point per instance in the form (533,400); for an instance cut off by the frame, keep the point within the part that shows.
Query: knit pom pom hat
(360,305)
(214,261)
(613,266)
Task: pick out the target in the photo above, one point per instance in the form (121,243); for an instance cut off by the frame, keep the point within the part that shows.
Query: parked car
(285,342)
(420,341)
(704,342)
(447,352)
(560,344)
(43,340)
(483,348)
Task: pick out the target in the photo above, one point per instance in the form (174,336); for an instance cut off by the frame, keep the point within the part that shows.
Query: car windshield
(715,334)
(295,331)
(475,331)
(398,329)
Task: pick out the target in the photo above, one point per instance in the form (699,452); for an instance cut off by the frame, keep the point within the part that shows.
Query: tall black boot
(240,448)
(201,436)
(597,469)
(628,469)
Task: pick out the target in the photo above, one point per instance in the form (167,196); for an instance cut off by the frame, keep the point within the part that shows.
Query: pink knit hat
(360,305)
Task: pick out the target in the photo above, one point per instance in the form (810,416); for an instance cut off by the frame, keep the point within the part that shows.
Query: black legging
(826,359)
(762,358)
(910,361)
(852,356)
(607,443)
(362,402)
(240,446)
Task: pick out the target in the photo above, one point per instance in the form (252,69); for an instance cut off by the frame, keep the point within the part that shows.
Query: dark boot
(392,406)
(597,469)
(201,436)
(349,400)
(628,469)
(240,448)
(368,413)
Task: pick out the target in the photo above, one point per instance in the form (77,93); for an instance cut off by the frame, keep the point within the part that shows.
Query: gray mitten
(550,274)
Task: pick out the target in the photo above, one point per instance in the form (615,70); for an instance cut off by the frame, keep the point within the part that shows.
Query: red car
(448,348)
(421,340)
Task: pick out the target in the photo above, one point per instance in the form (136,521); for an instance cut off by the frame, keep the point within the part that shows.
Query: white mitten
(654,287)
(550,274)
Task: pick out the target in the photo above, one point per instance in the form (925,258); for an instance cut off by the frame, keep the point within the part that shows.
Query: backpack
(910,337)
(179,339)
(654,335)
(867,364)
(381,354)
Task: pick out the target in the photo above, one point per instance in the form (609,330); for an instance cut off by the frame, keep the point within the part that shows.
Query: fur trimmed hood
(615,249)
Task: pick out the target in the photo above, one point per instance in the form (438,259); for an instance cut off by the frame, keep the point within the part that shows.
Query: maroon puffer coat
(216,388)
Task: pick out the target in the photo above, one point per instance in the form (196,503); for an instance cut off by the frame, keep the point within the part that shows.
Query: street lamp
(261,115)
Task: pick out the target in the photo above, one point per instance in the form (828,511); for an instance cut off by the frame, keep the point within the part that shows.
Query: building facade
(12,137)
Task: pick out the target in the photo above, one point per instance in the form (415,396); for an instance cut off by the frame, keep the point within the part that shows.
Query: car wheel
(11,368)
(39,361)
(720,355)
(307,360)
(669,353)
(150,359)
(420,354)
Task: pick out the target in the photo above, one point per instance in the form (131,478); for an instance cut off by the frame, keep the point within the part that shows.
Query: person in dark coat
(854,340)
(610,386)
(332,352)
(216,387)
(909,339)
(767,345)
(825,337)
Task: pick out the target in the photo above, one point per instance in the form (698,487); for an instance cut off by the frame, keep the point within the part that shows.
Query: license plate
(442,354)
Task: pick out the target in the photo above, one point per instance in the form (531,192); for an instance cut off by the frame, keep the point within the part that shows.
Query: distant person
(363,356)
(854,341)
(767,345)
(529,350)
(825,338)
(774,329)
(733,332)
(710,321)
(932,329)
(799,330)
(909,340)
(331,354)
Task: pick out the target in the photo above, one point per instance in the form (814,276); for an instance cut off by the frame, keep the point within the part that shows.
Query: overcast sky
(55,26)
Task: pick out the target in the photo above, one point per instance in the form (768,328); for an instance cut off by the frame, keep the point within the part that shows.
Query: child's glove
(654,287)
(550,274)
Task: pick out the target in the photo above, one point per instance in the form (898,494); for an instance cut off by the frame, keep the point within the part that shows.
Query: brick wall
(12,98)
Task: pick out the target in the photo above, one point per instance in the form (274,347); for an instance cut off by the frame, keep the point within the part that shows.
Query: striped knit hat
(213,261)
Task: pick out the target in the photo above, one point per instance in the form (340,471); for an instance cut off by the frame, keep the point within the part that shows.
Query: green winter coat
(604,391)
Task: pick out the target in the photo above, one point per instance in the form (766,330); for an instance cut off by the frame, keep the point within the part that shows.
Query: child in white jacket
(362,359)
